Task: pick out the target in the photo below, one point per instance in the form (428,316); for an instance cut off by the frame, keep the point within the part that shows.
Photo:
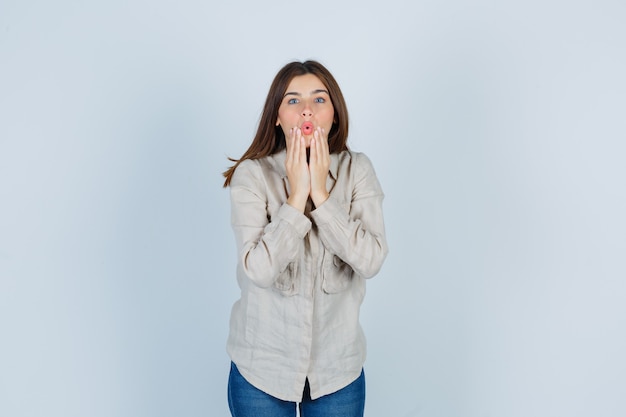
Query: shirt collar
(278,163)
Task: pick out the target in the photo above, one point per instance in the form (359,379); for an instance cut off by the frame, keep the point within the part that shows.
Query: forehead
(305,83)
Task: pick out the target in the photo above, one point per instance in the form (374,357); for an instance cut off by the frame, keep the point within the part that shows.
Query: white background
(497,129)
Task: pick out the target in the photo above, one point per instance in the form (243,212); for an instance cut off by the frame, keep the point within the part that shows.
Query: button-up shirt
(302,275)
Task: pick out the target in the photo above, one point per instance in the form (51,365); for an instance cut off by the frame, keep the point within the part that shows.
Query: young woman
(308,223)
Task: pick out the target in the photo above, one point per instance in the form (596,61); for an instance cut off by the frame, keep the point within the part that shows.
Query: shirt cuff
(329,210)
(294,217)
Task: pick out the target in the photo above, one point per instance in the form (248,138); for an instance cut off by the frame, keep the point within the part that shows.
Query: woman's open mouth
(307,128)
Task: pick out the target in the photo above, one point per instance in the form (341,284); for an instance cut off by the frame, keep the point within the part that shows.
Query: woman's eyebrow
(295,93)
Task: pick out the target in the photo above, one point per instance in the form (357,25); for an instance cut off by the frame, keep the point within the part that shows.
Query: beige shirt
(302,276)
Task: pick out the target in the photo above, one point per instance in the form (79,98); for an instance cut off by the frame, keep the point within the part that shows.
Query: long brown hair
(270,139)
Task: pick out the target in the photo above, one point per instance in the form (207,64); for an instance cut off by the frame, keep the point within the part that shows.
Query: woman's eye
(293,101)
(320,100)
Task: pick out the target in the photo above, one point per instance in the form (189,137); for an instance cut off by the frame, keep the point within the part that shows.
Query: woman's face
(306,100)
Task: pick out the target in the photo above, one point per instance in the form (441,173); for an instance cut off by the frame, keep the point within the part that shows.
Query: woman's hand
(297,170)
(319,164)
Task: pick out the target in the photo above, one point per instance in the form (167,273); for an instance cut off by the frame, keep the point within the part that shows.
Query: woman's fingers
(301,146)
(323,142)
(297,170)
(290,142)
(319,166)
(319,146)
(295,146)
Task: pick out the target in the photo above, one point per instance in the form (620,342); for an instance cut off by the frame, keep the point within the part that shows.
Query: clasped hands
(307,179)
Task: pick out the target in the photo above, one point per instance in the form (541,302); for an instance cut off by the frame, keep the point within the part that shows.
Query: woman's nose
(306,111)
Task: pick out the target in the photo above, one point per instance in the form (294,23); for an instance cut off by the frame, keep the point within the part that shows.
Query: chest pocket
(337,275)
(287,281)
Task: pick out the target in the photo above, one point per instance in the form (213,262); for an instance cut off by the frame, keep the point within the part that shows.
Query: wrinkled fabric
(302,275)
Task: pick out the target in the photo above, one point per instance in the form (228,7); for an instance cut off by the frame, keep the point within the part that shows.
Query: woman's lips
(307,128)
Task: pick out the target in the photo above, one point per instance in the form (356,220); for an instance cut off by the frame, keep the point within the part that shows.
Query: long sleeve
(354,230)
(266,243)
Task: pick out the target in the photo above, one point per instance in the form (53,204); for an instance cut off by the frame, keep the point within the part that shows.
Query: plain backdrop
(497,129)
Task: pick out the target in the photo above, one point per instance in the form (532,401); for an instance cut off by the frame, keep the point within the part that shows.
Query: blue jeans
(244,400)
